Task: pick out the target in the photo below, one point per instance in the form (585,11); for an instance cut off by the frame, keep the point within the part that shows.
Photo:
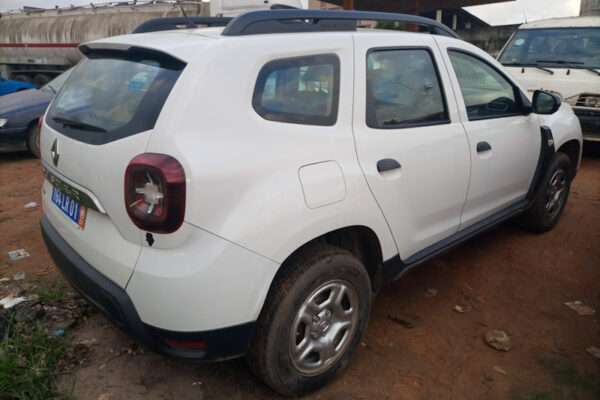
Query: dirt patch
(505,279)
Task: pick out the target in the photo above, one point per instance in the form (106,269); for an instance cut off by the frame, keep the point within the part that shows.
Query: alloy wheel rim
(324,327)
(556,192)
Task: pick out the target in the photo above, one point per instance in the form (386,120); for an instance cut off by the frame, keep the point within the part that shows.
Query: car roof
(178,43)
(570,22)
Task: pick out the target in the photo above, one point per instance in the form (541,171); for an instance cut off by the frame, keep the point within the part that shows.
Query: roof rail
(288,21)
(171,23)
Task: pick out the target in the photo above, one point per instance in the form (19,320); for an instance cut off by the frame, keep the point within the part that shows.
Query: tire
(33,140)
(313,278)
(551,198)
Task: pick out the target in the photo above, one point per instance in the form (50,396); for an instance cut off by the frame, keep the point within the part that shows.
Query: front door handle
(483,147)
(388,164)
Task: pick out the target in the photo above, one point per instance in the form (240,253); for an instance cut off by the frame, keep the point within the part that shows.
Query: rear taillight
(155,192)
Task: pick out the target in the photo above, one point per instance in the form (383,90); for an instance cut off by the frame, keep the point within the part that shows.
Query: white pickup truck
(563,56)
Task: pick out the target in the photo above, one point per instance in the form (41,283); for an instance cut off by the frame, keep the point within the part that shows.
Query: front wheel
(33,140)
(312,322)
(552,196)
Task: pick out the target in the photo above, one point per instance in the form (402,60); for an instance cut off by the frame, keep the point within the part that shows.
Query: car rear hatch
(100,120)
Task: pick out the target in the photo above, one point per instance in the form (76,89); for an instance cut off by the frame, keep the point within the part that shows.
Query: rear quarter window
(300,90)
(114,94)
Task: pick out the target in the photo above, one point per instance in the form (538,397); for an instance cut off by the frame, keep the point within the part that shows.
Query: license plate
(69,207)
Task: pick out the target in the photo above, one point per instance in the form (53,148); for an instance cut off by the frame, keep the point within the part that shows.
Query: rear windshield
(114,94)
(558,47)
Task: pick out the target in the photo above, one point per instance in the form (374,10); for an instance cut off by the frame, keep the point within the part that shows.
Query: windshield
(55,84)
(559,47)
(111,95)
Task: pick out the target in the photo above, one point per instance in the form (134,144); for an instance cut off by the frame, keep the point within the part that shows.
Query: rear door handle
(388,164)
(483,147)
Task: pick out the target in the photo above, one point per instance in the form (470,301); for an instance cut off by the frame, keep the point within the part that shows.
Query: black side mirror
(545,103)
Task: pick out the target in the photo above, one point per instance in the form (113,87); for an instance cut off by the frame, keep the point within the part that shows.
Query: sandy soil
(505,279)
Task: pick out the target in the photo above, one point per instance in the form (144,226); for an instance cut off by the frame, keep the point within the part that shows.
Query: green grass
(565,375)
(51,294)
(538,396)
(29,362)
(568,382)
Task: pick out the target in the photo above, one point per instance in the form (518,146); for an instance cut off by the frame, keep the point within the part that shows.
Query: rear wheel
(552,196)
(312,321)
(33,140)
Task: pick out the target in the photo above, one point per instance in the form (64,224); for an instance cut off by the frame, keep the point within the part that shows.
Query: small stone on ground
(594,351)
(498,340)
(580,308)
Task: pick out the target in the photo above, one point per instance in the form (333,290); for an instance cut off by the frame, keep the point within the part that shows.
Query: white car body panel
(565,127)
(565,82)
(503,175)
(203,284)
(322,183)
(109,240)
(423,200)
(245,205)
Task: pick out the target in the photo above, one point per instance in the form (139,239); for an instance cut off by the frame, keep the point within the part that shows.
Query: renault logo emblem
(54,152)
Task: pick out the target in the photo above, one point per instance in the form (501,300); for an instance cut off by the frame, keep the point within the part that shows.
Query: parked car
(563,56)
(19,115)
(214,208)
(8,86)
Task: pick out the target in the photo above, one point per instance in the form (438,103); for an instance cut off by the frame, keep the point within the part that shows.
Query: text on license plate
(72,209)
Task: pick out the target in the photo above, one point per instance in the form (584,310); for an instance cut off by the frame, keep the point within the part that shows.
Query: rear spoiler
(173,23)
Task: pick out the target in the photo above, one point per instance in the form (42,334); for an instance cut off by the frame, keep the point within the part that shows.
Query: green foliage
(29,361)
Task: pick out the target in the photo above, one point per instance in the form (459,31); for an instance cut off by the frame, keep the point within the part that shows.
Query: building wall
(323,5)
(490,39)
(590,7)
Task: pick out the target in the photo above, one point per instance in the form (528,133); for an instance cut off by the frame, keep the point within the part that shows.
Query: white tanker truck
(38,44)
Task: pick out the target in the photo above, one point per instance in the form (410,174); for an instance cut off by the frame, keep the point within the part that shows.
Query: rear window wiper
(530,66)
(77,124)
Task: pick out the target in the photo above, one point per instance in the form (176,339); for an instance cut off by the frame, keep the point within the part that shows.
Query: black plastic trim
(294,21)
(388,164)
(547,151)
(114,302)
(406,125)
(482,147)
(395,267)
(172,23)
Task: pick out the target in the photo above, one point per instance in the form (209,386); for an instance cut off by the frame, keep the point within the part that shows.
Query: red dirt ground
(506,279)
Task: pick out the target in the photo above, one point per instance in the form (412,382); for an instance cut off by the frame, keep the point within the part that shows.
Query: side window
(301,90)
(487,93)
(403,89)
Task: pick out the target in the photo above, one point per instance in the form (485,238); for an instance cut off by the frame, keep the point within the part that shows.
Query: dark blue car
(7,86)
(19,115)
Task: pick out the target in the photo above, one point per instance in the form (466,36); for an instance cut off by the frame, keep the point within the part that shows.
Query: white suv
(220,192)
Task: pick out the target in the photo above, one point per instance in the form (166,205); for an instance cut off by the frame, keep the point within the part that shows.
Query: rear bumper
(114,302)
(590,123)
